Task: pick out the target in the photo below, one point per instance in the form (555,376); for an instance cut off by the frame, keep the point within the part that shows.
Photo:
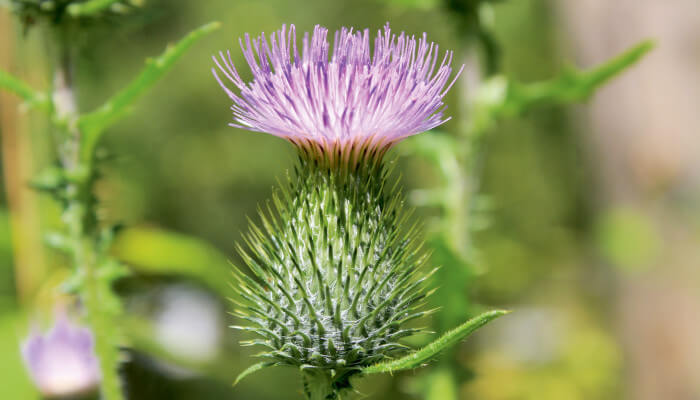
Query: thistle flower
(335,273)
(62,362)
(353,98)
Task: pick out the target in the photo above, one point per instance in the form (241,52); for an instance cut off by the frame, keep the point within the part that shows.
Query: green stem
(80,219)
(95,295)
(319,386)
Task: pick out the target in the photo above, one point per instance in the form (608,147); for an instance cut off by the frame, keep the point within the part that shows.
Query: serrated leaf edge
(419,357)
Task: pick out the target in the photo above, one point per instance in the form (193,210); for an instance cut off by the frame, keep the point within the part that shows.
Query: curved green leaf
(501,97)
(418,358)
(573,84)
(157,251)
(252,369)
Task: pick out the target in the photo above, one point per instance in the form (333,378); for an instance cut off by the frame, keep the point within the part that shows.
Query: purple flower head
(356,98)
(62,362)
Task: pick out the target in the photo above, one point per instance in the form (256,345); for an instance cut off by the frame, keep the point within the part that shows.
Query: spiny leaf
(418,358)
(573,85)
(94,123)
(20,88)
(500,97)
(252,369)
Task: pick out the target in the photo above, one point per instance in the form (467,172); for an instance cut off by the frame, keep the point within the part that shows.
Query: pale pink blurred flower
(62,362)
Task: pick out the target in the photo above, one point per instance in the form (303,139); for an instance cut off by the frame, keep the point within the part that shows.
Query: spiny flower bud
(336,274)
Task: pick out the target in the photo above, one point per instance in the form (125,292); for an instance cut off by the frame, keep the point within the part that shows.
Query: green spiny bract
(336,275)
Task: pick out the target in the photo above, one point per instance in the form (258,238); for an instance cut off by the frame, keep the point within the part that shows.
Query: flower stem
(79,216)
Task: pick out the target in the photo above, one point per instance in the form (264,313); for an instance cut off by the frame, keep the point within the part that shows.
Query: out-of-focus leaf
(436,146)
(89,7)
(450,243)
(94,123)
(156,251)
(454,279)
(420,357)
(573,85)
(48,179)
(58,241)
(419,4)
(500,97)
(20,88)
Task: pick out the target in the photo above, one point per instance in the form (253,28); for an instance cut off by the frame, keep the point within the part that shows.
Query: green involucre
(336,274)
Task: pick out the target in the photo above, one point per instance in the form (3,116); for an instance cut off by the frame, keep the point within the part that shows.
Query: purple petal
(339,97)
(62,361)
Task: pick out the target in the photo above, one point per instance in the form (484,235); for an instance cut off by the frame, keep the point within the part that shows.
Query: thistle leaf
(501,97)
(94,123)
(252,369)
(508,98)
(418,358)
(573,85)
(20,88)
(156,251)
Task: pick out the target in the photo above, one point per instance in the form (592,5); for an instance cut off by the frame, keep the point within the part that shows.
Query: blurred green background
(590,236)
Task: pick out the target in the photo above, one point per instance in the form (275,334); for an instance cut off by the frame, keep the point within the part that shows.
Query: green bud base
(335,272)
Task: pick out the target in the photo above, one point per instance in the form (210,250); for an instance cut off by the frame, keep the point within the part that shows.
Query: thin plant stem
(79,217)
